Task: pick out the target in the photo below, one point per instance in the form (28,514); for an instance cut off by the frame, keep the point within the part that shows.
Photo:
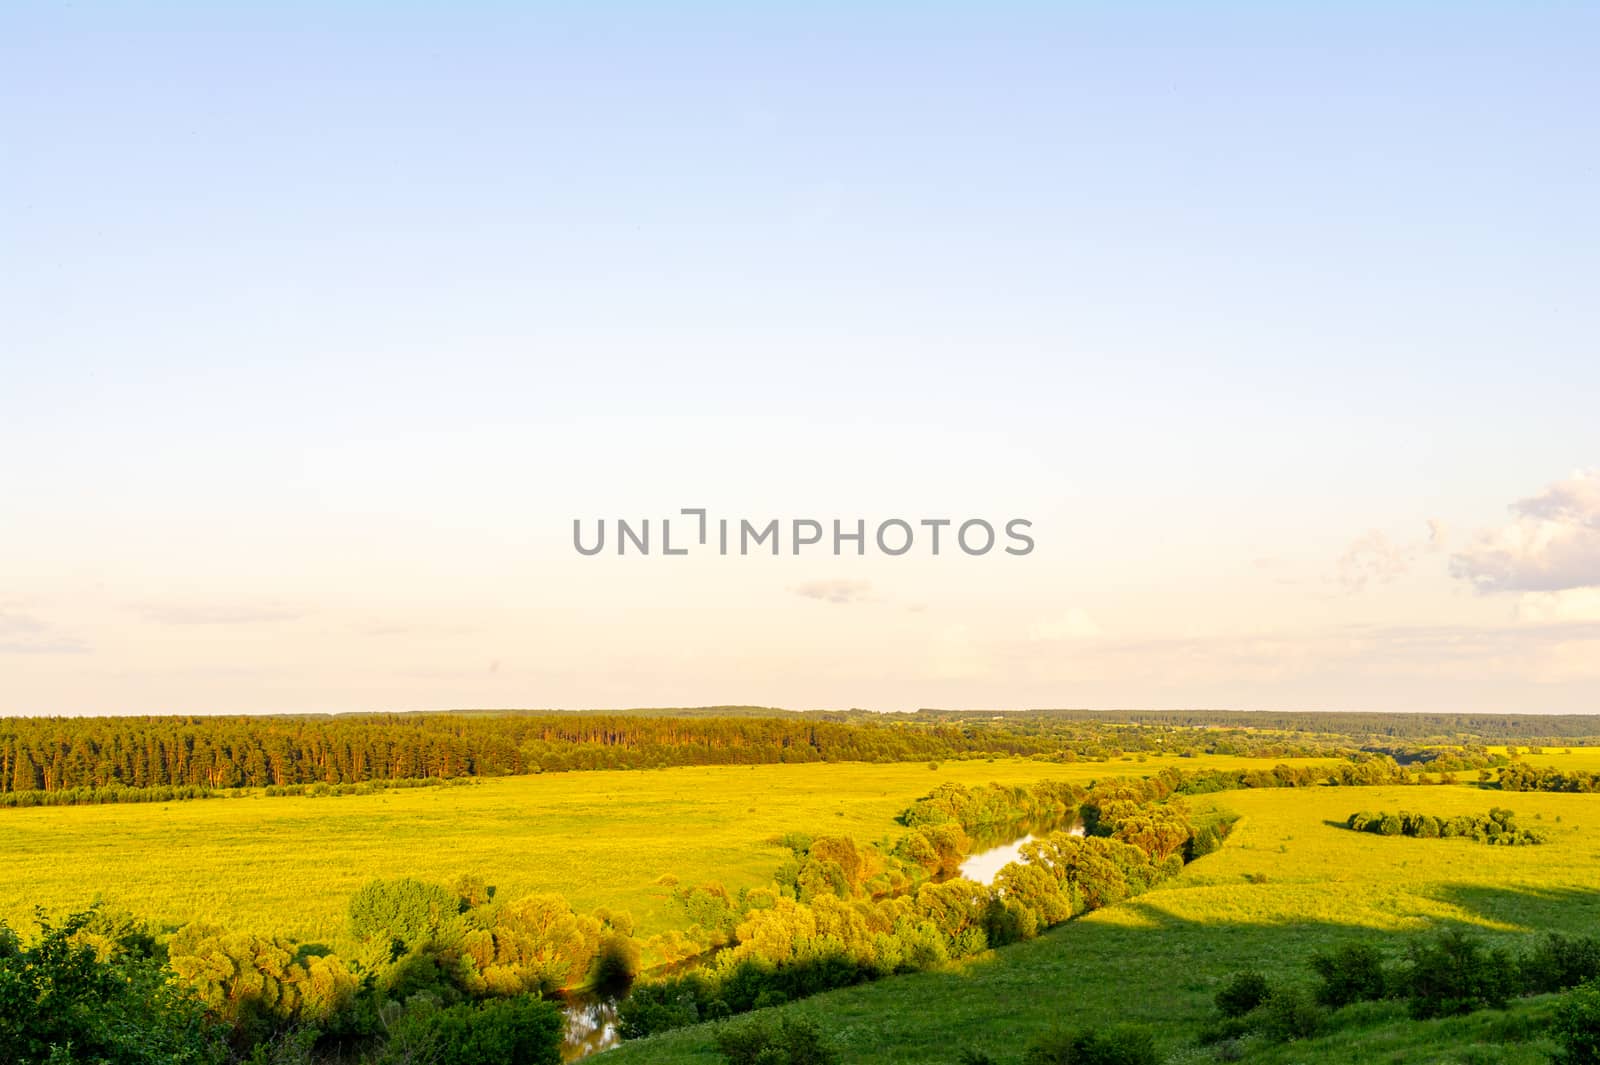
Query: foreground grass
(1288,883)
(289,865)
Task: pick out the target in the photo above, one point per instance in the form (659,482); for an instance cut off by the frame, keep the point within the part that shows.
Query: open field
(288,865)
(1566,759)
(1286,884)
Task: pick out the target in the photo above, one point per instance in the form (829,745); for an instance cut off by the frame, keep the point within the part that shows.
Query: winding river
(592,1016)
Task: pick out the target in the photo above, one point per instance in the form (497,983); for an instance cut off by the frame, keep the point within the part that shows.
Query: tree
(121,1009)
(407,913)
(1577,1026)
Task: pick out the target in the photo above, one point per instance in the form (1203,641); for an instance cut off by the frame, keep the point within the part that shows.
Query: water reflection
(981,866)
(591,1024)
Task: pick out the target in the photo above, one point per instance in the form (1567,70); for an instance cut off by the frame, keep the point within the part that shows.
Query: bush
(1110,1046)
(1456,974)
(516,1031)
(405,912)
(791,1041)
(58,998)
(1353,973)
(1242,993)
(615,963)
(1577,1026)
(659,1007)
(1289,1014)
(1559,962)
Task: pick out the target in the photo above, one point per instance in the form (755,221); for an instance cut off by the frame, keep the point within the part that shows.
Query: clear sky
(320,323)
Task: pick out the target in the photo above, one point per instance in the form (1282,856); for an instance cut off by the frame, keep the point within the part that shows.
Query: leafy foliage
(61,1001)
(1124,1045)
(790,1041)
(1242,993)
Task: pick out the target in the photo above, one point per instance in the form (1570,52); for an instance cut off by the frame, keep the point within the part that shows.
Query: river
(592,1017)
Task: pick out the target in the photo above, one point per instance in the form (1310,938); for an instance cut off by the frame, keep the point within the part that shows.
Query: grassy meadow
(1288,882)
(289,864)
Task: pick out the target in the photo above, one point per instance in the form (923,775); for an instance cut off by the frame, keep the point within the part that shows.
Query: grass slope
(1288,882)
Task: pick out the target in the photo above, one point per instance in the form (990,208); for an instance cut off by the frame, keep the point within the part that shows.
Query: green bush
(1353,973)
(1122,1045)
(791,1041)
(515,1031)
(1558,962)
(1576,1028)
(406,912)
(615,963)
(1289,1013)
(1455,974)
(57,997)
(1242,993)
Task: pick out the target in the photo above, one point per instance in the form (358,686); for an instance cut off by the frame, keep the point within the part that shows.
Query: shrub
(516,1031)
(1559,962)
(791,1041)
(1576,1028)
(658,1007)
(1289,1013)
(1123,1045)
(615,963)
(1456,974)
(407,912)
(56,994)
(1353,973)
(1242,993)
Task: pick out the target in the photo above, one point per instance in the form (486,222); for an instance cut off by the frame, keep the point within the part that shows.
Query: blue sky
(333,316)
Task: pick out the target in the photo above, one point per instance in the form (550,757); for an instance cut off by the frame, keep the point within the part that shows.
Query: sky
(320,324)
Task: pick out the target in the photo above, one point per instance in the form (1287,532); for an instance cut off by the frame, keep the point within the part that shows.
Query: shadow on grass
(1133,963)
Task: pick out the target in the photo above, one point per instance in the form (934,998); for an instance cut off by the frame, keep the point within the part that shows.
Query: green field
(1287,883)
(288,864)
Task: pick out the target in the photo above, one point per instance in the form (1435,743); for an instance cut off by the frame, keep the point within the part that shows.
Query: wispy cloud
(217,614)
(1376,559)
(835,591)
(418,628)
(24,634)
(1551,544)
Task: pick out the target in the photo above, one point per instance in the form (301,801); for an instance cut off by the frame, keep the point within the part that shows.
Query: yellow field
(1310,868)
(288,865)
(1567,759)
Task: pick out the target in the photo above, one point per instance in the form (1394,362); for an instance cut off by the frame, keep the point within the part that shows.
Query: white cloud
(1552,543)
(1373,559)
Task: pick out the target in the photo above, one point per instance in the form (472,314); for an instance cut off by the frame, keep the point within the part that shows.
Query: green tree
(57,995)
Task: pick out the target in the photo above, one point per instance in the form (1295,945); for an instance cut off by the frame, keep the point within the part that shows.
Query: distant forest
(59,754)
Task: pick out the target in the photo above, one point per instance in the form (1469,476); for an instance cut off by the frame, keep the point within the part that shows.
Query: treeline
(1519,776)
(1498,826)
(1554,729)
(112,794)
(64,754)
(54,755)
